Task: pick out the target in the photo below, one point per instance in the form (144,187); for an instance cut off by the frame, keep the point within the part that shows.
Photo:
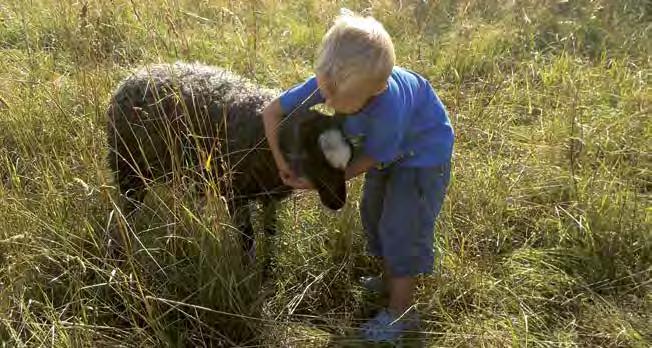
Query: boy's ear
(381,89)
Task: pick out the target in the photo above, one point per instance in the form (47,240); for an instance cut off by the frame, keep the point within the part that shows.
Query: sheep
(201,121)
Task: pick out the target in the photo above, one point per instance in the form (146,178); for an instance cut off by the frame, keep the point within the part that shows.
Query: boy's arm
(303,93)
(358,166)
(271,120)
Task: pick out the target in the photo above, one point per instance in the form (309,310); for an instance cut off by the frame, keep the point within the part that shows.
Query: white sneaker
(374,284)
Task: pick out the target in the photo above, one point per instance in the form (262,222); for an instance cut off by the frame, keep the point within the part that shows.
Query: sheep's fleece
(200,120)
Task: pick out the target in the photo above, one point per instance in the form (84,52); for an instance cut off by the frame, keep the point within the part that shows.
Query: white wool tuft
(336,150)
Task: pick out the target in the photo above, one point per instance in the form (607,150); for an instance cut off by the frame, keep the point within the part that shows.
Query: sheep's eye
(324,109)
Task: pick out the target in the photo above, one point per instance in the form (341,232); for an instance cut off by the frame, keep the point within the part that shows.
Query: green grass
(545,238)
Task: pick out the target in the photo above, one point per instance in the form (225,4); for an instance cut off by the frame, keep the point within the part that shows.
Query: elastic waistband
(438,167)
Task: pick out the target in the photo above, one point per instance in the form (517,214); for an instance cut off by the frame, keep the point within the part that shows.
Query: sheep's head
(320,152)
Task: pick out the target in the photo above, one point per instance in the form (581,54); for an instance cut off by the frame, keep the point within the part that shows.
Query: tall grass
(545,238)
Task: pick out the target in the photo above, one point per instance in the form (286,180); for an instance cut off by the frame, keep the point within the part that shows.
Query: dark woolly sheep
(203,122)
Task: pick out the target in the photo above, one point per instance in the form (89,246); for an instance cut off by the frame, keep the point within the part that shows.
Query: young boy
(406,141)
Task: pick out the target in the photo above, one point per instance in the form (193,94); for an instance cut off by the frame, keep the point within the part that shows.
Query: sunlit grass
(544,238)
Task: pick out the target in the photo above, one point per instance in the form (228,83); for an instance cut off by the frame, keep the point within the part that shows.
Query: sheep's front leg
(270,219)
(241,214)
(270,224)
(132,191)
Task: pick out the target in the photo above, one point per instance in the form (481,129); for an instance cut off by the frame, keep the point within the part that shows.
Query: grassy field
(545,238)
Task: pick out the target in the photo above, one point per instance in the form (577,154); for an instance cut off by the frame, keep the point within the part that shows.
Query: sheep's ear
(333,194)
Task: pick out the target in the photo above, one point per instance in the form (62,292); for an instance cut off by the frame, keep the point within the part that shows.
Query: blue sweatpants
(398,211)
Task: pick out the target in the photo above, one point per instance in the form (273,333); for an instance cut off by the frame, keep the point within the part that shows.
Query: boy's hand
(358,166)
(290,179)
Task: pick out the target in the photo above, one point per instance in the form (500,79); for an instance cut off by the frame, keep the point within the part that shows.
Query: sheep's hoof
(250,254)
(116,245)
(270,231)
(115,251)
(268,269)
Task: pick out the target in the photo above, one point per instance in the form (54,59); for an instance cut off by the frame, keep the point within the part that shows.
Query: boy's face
(349,100)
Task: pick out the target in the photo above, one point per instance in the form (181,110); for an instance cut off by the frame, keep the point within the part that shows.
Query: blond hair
(356,51)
